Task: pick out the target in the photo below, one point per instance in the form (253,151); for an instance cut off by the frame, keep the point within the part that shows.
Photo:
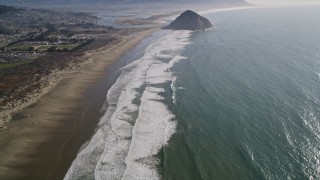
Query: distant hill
(56,2)
(8,9)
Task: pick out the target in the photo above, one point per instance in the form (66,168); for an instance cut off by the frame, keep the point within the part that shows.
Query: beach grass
(15,64)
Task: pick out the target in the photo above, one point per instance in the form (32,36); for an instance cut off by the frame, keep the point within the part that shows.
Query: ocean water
(240,101)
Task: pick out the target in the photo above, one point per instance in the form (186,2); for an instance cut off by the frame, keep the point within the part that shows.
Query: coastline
(58,115)
(44,145)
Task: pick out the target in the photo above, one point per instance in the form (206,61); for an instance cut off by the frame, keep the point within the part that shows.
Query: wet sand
(43,145)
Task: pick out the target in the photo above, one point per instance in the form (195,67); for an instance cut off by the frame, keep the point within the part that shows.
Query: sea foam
(137,123)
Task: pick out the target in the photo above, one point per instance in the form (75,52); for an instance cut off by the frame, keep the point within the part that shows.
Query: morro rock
(190,20)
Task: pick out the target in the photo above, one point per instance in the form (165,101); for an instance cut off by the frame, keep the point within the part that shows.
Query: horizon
(283,2)
(59,3)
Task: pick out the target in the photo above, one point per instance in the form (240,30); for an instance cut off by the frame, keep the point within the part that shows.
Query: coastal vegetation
(14,64)
(40,44)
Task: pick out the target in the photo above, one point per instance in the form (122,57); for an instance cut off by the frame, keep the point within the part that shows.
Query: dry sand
(43,145)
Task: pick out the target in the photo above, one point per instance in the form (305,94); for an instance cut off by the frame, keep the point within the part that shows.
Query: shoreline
(58,124)
(62,118)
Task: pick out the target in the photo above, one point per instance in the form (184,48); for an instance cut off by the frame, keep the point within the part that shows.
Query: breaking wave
(137,123)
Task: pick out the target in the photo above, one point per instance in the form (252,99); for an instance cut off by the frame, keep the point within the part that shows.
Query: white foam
(129,136)
(173,89)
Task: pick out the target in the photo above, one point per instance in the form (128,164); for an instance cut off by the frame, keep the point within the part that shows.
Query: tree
(31,49)
(52,49)
(65,50)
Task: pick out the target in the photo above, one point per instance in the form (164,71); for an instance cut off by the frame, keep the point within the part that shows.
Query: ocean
(239,101)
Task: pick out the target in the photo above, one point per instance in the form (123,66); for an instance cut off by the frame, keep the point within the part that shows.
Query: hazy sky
(257,2)
(283,2)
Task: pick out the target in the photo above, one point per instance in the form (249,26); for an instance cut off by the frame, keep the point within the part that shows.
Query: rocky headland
(190,20)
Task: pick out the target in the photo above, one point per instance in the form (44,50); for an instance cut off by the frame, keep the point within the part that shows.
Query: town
(27,34)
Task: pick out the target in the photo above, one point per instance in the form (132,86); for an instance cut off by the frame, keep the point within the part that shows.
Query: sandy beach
(43,145)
